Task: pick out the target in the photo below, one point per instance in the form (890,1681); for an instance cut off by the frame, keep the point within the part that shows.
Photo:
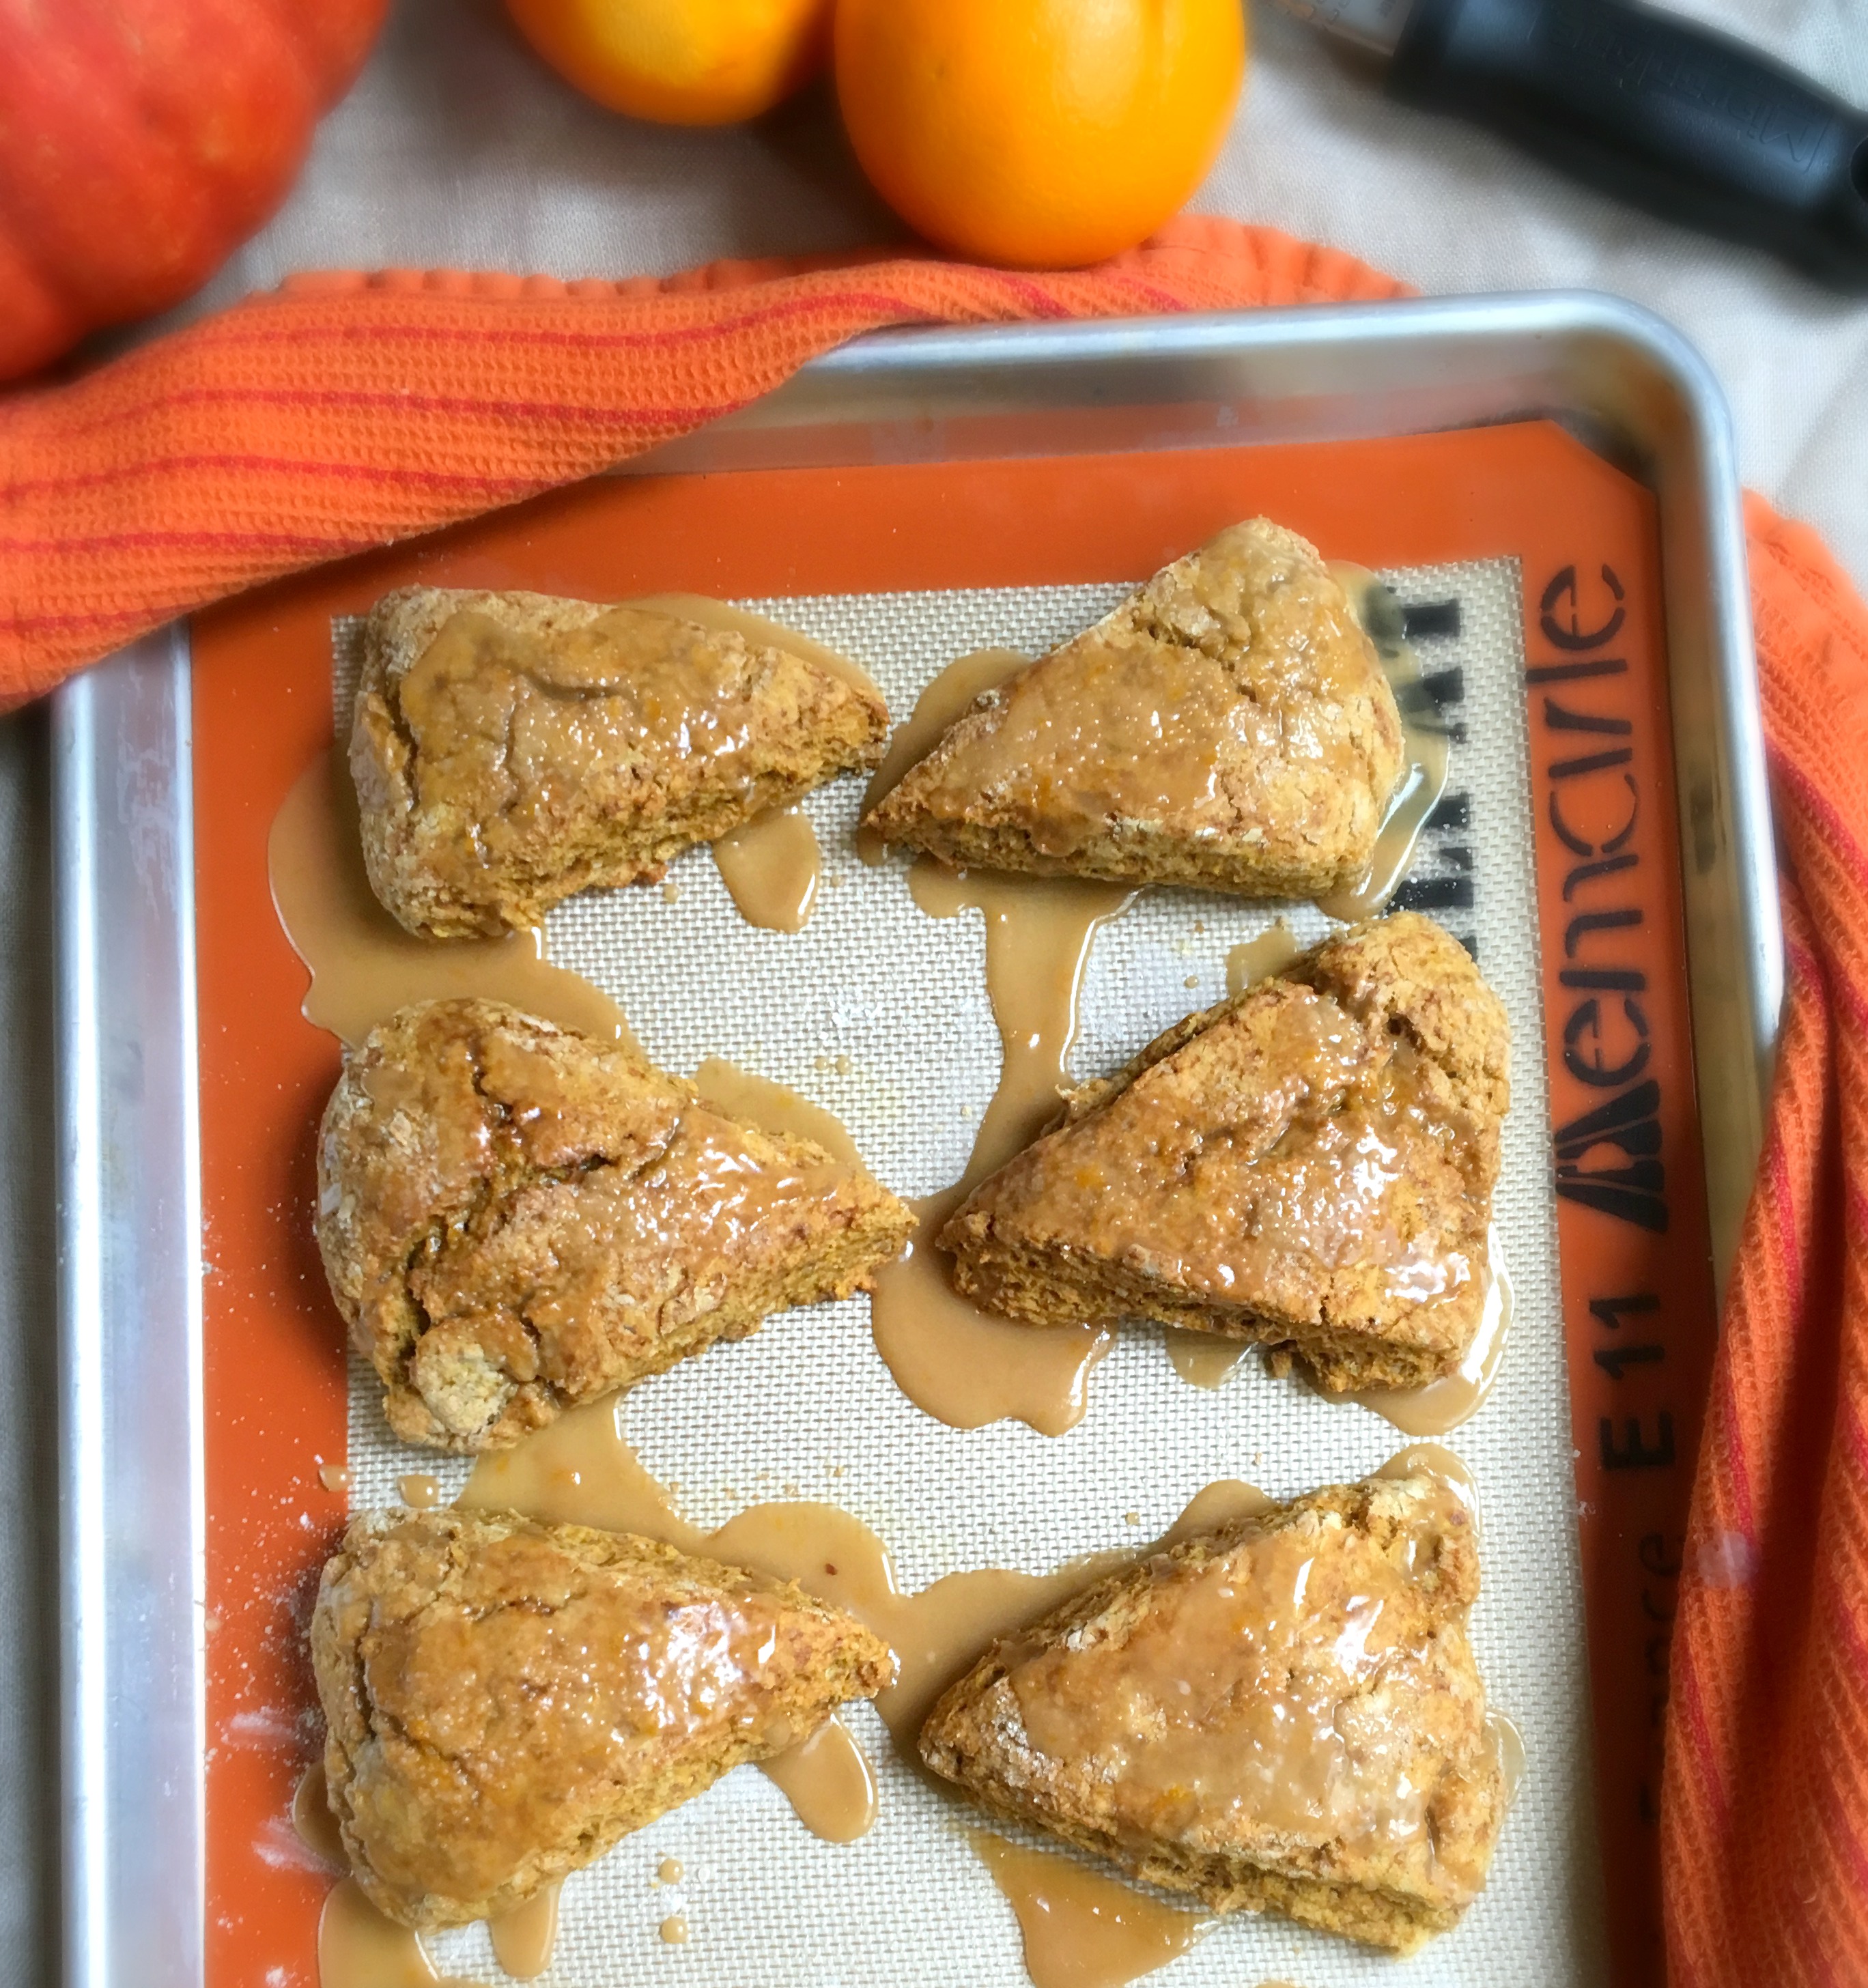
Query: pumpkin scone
(1309,1165)
(514,1219)
(1281,1715)
(503,1699)
(509,749)
(1228,726)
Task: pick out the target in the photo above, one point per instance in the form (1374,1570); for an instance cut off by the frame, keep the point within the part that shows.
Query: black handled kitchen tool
(1684,121)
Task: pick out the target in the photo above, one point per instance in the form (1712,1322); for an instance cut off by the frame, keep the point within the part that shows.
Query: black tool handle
(1684,121)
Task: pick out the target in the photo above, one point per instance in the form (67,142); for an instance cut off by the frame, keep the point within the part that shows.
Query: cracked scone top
(1283,1714)
(509,749)
(1309,1164)
(504,1700)
(514,1219)
(1227,725)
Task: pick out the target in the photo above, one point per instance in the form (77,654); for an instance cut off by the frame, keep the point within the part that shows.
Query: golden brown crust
(1228,726)
(1221,1181)
(1406,974)
(514,1219)
(511,748)
(504,1700)
(1236,1717)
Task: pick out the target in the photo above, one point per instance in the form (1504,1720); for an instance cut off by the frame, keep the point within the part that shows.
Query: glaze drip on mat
(363,966)
(960,1362)
(1082,1928)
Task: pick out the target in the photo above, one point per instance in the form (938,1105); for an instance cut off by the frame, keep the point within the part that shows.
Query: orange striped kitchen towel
(346,412)
(1764,1800)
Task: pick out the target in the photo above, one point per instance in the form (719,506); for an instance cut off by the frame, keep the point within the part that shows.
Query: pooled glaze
(363,966)
(770,868)
(358,1947)
(524,1939)
(829,1783)
(957,1360)
(1081,1929)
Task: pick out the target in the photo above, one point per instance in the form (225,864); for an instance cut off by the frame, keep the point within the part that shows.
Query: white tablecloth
(457,149)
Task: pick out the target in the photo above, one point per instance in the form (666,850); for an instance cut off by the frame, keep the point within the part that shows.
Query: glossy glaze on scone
(1228,726)
(511,748)
(504,1700)
(514,1219)
(1309,1164)
(1283,1714)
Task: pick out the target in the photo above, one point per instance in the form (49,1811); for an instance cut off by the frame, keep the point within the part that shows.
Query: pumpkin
(141,141)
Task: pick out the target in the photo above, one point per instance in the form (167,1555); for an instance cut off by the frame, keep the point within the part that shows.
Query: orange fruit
(1049,133)
(680,62)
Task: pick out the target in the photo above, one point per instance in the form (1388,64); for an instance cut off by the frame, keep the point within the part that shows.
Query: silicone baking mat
(880,1013)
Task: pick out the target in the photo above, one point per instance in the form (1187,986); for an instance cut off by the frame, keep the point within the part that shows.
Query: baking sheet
(880,1013)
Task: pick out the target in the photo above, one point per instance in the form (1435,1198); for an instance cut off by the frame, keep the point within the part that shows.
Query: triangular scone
(511,748)
(504,1700)
(1283,1716)
(1227,725)
(1309,1164)
(514,1218)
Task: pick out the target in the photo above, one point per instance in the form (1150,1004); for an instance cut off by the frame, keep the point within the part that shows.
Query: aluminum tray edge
(131,1516)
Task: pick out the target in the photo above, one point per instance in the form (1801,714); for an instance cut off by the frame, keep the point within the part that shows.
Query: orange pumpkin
(142,140)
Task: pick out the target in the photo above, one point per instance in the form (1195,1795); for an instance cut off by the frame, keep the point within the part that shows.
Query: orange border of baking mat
(1587,537)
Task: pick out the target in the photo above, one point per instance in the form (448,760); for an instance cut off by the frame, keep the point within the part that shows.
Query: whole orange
(680,62)
(1049,133)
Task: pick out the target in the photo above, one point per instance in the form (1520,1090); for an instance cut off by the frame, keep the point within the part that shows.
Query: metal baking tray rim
(132,1517)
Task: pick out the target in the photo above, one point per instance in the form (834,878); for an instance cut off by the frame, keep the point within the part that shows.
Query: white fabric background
(455,148)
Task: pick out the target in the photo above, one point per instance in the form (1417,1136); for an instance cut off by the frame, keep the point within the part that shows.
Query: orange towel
(345,413)
(1764,1802)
